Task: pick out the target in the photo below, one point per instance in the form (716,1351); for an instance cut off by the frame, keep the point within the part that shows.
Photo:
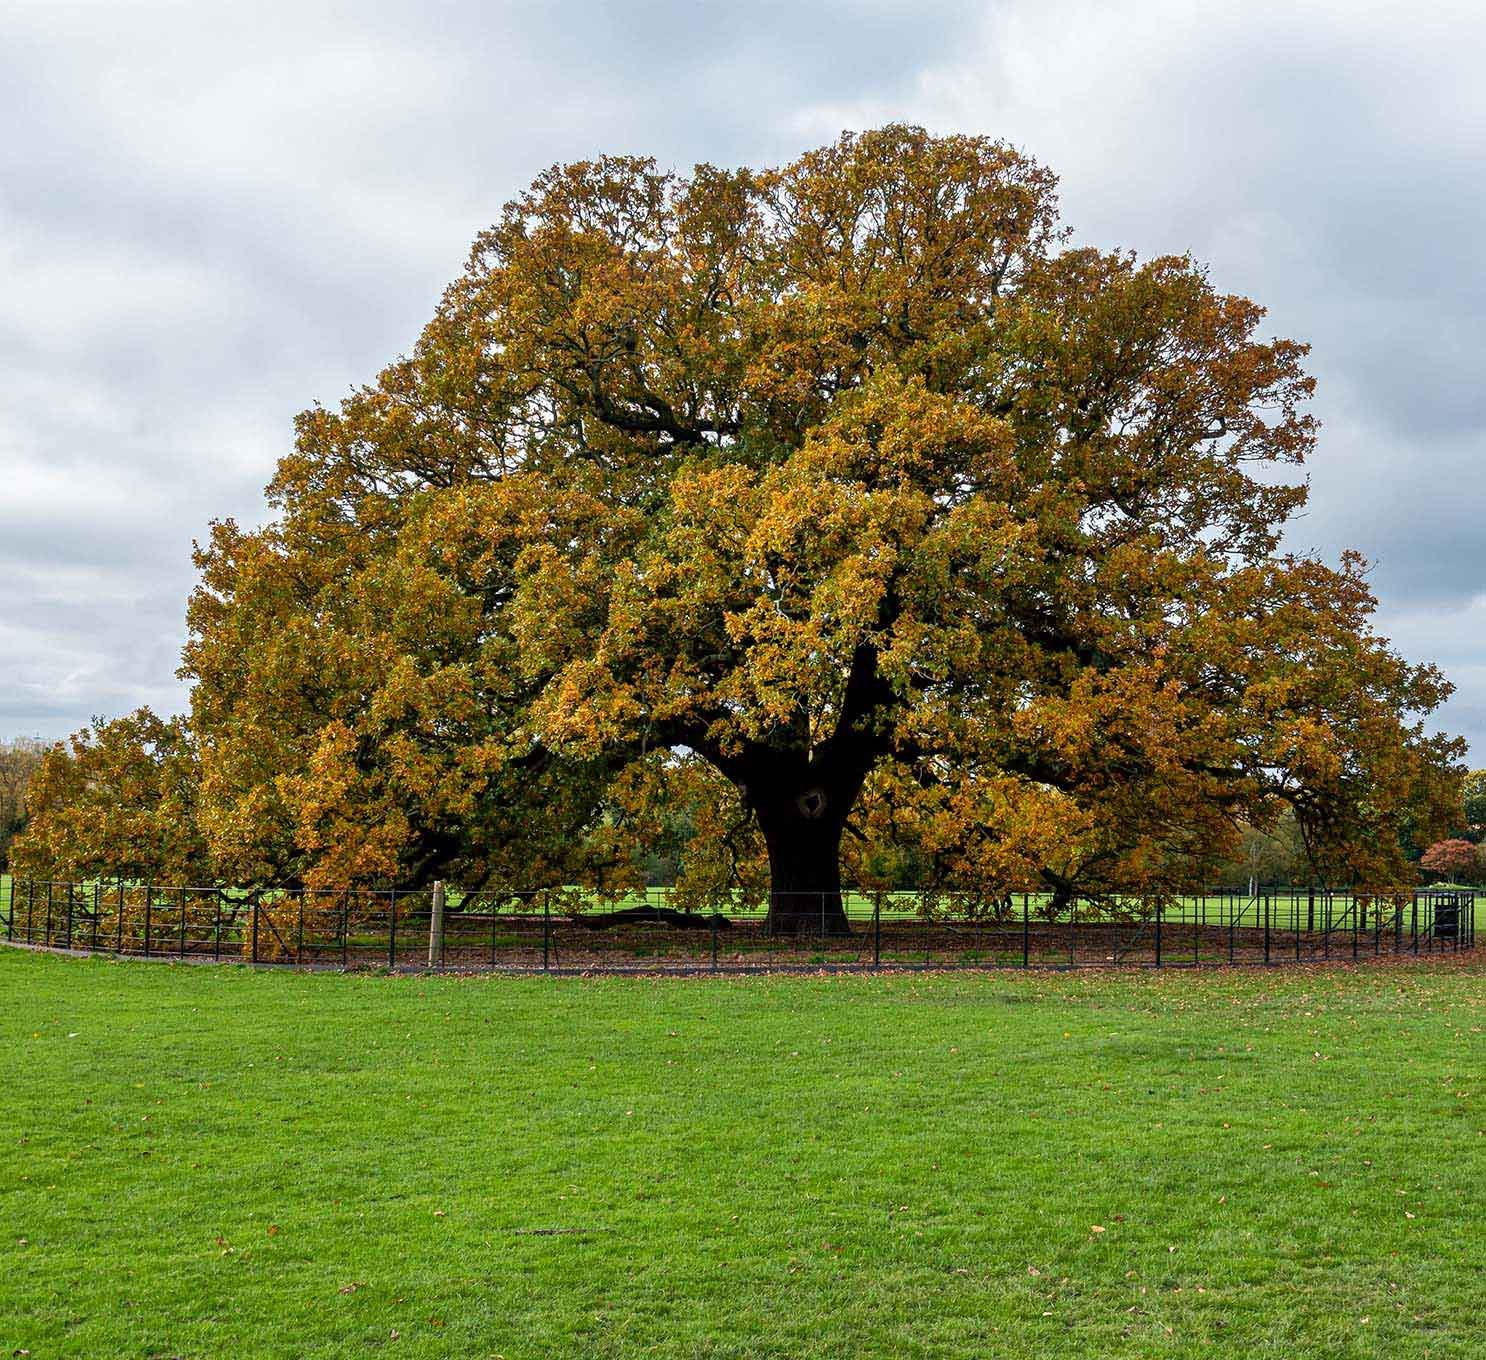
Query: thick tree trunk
(802,796)
(803,835)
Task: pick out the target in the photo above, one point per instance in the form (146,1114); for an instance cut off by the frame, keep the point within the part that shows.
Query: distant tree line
(1462,857)
(19,759)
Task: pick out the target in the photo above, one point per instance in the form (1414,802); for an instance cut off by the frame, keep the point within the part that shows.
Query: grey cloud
(1326,159)
(212,215)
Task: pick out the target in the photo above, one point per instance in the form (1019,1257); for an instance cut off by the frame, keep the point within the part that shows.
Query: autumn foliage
(837,517)
(117,801)
(19,760)
(1456,860)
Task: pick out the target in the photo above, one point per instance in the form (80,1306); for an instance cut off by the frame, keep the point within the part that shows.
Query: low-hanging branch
(650,915)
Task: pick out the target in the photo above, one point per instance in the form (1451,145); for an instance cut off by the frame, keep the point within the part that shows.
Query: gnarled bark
(803,836)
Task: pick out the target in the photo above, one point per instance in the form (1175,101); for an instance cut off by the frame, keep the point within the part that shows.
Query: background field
(220,1162)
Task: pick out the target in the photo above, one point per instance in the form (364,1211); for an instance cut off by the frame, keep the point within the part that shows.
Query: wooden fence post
(436,927)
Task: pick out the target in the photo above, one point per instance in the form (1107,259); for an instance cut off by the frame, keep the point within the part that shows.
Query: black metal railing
(572,930)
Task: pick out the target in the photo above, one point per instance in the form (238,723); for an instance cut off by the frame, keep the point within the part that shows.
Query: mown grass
(219,1162)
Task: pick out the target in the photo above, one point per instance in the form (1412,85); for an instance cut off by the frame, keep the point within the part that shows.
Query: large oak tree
(843,512)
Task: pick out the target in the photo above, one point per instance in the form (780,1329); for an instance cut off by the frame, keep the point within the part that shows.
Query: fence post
(1026,935)
(217,926)
(546,933)
(436,927)
(1264,902)
(714,941)
(1158,934)
(120,922)
(1414,925)
(392,933)
(345,929)
(47,937)
(148,894)
(254,954)
(184,899)
(876,932)
(70,887)
(97,907)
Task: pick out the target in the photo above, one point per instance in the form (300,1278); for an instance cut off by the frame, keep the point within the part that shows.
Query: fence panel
(575,930)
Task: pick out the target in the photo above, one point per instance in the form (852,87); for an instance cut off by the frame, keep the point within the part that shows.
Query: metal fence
(568,930)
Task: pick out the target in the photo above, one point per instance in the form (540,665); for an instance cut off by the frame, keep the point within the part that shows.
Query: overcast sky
(212,215)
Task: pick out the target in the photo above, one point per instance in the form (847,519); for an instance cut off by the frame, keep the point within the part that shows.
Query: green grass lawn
(217,1162)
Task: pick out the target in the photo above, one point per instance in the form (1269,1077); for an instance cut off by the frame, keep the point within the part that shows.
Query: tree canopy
(836,517)
(1474,792)
(19,759)
(1456,859)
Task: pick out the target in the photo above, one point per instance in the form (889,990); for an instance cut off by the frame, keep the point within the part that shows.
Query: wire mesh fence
(570,930)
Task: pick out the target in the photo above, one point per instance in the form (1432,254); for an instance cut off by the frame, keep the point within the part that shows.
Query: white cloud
(213,214)
(1327,159)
